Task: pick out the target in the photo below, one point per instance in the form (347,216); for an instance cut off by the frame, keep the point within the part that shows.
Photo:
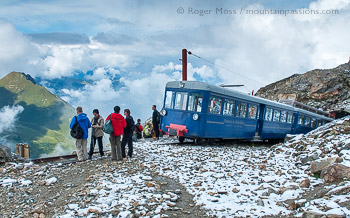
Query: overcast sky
(140,42)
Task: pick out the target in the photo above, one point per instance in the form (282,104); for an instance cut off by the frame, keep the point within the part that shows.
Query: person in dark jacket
(155,121)
(118,123)
(96,133)
(85,124)
(138,129)
(128,132)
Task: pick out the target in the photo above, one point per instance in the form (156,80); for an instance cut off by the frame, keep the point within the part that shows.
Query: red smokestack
(184,64)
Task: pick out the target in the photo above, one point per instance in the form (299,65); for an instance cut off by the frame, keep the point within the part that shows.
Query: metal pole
(184,64)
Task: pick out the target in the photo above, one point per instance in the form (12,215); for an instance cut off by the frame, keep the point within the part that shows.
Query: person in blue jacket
(85,124)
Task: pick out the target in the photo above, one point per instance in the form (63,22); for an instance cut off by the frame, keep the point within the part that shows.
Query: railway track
(72,158)
(224,142)
(56,158)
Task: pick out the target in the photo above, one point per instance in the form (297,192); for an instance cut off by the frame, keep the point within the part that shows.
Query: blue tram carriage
(198,110)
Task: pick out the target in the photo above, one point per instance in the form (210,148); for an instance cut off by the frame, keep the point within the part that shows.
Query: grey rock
(6,155)
(309,214)
(335,173)
(318,166)
(305,183)
(260,202)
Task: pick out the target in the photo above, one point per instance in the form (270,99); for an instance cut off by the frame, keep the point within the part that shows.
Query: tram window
(195,102)
(301,120)
(242,109)
(253,110)
(319,123)
(276,116)
(268,114)
(283,116)
(215,105)
(180,101)
(290,118)
(313,123)
(229,107)
(168,99)
(307,121)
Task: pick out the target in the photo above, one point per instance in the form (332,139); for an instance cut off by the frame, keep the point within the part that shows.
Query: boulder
(318,166)
(6,155)
(305,183)
(339,191)
(335,173)
(309,214)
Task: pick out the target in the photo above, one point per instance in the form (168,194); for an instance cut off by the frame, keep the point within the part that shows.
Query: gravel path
(78,189)
(167,180)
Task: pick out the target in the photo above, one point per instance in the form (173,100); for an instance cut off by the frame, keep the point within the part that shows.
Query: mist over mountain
(39,117)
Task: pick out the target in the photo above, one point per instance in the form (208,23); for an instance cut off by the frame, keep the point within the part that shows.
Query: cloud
(114,39)
(204,72)
(102,72)
(140,52)
(65,61)
(8,117)
(59,38)
(118,22)
(137,93)
(17,51)
(58,151)
(99,94)
(267,48)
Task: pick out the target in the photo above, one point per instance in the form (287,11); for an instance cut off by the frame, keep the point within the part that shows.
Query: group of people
(124,129)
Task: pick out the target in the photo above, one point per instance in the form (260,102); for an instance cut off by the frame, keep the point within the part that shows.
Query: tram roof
(194,85)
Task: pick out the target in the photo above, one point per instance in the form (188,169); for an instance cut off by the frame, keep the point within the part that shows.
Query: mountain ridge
(327,89)
(44,122)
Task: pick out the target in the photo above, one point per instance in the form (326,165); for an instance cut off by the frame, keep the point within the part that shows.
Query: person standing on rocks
(127,136)
(155,121)
(138,129)
(85,124)
(96,133)
(118,123)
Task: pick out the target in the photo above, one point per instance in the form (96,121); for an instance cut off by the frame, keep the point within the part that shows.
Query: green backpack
(108,127)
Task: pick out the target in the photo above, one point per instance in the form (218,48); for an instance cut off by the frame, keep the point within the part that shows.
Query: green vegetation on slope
(44,122)
(27,91)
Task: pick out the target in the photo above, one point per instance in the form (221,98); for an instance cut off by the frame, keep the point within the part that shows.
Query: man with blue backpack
(79,126)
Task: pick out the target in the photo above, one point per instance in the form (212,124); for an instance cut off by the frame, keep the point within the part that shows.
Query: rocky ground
(327,89)
(306,176)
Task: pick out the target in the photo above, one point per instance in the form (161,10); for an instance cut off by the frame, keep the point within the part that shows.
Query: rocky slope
(44,121)
(327,89)
(306,176)
(324,154)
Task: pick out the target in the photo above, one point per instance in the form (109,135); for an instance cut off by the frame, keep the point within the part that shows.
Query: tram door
(260,123)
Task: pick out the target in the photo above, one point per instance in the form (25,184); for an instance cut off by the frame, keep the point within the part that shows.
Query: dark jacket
(138,130)
(130,125)
(154,117)
(84,123)
(118,123)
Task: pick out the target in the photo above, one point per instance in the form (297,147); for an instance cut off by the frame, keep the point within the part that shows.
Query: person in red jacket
(118,123)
